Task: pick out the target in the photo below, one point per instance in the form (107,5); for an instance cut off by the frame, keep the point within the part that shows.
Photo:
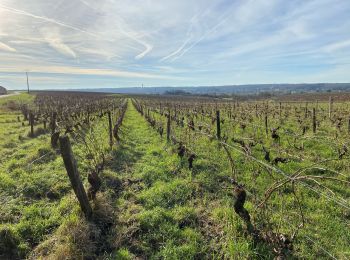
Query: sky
(119,43)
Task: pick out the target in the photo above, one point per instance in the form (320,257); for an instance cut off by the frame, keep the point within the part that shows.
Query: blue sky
(116,43)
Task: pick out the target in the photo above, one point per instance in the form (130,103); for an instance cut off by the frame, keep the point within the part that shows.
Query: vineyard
(95,176)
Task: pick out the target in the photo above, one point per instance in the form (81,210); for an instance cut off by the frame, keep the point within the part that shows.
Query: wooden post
(110,129)
(280,110)
(306,110)
(266,125)
(31,122)
(73,174)
(314,120)
(218,130)
(330,107)
(168,128)
(53,122)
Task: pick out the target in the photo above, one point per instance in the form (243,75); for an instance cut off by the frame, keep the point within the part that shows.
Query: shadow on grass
(124,156)
(37,132)
(263,250)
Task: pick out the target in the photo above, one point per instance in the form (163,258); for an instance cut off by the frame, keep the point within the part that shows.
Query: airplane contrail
(89,5)
(200,39)
(188,34)
(147,46)
(47,19)
(194,19)
(178,50)
(222,19)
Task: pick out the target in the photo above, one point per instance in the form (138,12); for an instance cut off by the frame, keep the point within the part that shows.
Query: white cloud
(54,39)
(44,18)
(202,40)
(337,46)
(5,47)
(148,48)
(81,71)
(178,50)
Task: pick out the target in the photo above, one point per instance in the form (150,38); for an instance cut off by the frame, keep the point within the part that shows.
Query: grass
(163,214)
(326,229)
(35,193)
(151,206)
(155,218)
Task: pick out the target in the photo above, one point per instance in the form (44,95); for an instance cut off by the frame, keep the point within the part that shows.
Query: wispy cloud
(337,46)
(82,71)
(178,50)
(53,38)
(148,48)
(44,18)
(182,50)
(183,42)
(6,47)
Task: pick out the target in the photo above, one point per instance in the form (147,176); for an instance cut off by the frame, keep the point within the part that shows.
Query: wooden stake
(280,110)
(218,130)
(53,122)
(266,125)
(31,122)
(314,120)
(110,129)
(74,177)
(168,128)
(306,110)
(330,107)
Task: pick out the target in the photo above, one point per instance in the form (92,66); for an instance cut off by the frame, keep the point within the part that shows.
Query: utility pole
(27,82)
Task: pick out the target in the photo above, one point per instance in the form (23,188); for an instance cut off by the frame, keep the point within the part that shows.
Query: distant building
(3,91)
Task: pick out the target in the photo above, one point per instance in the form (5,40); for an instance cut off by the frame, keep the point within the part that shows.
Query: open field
(174,178)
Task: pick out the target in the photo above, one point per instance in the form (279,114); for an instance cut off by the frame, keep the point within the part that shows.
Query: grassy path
(155,215)
(164,210)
